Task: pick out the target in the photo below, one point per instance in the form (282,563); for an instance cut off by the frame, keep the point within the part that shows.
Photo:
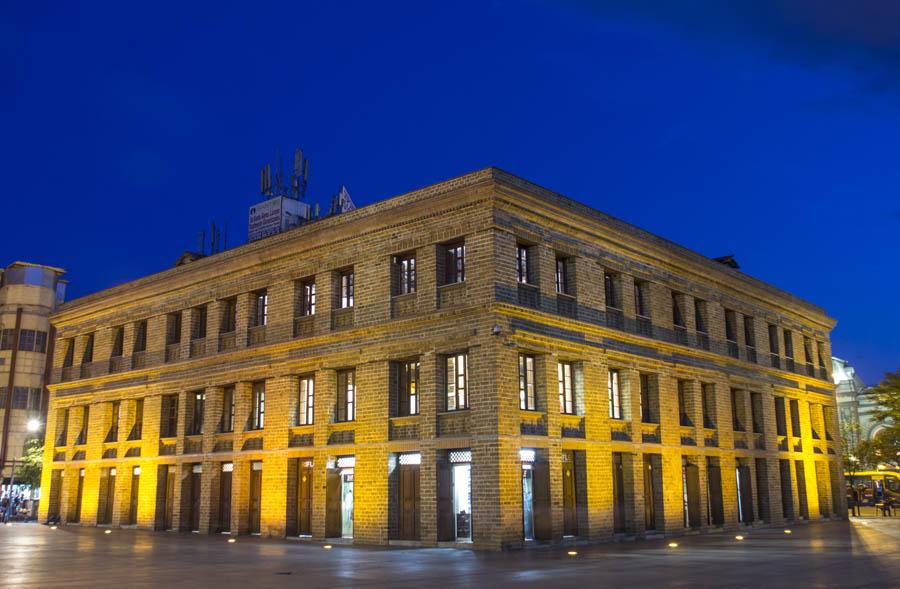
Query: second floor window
(523,265)
(527,399)
(140,336)
(454,263)
(408,388)
(173,328)
(118,342)
(684,412)
(258,406)
(69,358)
(88,355)
(198,402)
(226,424)
(308,297)
(615,395)
(345,409)
(306,403)
(562,276)
(138,427)
(405,279)
(229,315)
(168,424)
(457,387)
(611,290)
(780,417)
(749,332)
(566,388)
(788,344)
(677,314)
(199,326)
(260,312)
(730,325)
(773,339)
(641,309)
(700,315)
(347,289)
(708,402)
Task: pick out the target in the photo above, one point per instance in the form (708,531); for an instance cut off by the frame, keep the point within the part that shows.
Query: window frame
(454,263)
(405,274)
(456,373)
(524,273)
(258,405)
(345,401)
(347,289)
(260,307)
(614,394)
(308,297)
(408,393)
(226,423)
(527,387)
(306,400)
(565,384)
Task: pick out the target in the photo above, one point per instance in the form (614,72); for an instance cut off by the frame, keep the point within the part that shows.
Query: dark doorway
(649,494)
(55,492)
(543,519)
(762,490)
(801,489)
(135,493)
(570,502)
(714,491)
(190,497)
(165,496)
(333,503)
(745,494)
(691,481)
(255,495)
(107,496)
(79,488)
(408,500)
(619,515)
(225,497)
(787,495)
(454,496)
(304,498)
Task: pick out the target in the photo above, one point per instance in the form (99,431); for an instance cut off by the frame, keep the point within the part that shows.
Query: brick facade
(589,470)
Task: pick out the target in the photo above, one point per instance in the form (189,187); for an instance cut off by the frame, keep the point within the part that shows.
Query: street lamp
(33,425)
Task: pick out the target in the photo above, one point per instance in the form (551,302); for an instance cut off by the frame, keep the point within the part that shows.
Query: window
(788,344)
(615,395)
(173,328)
(198,402)
(648,415)
(756,417)
(35,395)
(730,325)
(30,340)
(773,339)
(820,348)
(260,309)
(526,383)
(227,422)
(708,393)
(795,418)
(308,297)
(408,388)
(7,337)
(20,398)
(69,358)
(118,342)
(808,352)
(346,396)
(347,288)
(641,309)
(26,340)
(611,290)
(198,330)
(405,269)
(454,263)
(138,427)
(258,406)
(115,409)
(229,315)
(563,284)
(566,390)
(780,417)
(168,425)
(85,420)
(737,410)
(677,315)
(523,265)
(88,355)
(457,382)
(140,336)
(749,332)
(40,341)
(684,409)
(306,405)
(700,315)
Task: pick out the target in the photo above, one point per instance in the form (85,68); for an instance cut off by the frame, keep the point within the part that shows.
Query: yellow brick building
(480,362)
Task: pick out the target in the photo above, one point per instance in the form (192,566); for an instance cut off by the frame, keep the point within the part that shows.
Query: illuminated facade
(481,361)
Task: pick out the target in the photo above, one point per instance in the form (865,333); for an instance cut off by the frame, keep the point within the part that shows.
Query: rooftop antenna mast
(300,175)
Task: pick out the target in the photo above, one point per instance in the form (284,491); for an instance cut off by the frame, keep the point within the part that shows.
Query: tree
(29,469)
(857,454)
(888,394)
(886,447)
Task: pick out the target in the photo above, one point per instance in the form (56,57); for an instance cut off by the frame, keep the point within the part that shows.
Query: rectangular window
(808,351)
(523,265)
(198,401)
(199,327)
(347,289)
(648,415)
(457,392)
(40,341)
(700,315)
(140,336)
(527,399)
(788,344)
(641,309)
(773,339)
(34,398)
(138,427)
(611,290)
(260,310)
(780,417)
(306,406)
(730,325)
(20,397)
(566,390)
(405,268)
(454,263)
(615,395)
(115,409)
(226,424)
(173,328)
(795,418)
(258,406)
(820,348)
(118,342)
(562,276)
(756,416)
(749,332)
(169,416)
(708,393)
(6,339)
(88,355)
(737,410)
(677,315)
(684,409)
(85,421)
(408,388)
(308,297)
(229,315)
(346,395)
(69,358)
(26,340)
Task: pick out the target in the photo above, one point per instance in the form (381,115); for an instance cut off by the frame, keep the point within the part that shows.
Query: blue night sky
(762,129)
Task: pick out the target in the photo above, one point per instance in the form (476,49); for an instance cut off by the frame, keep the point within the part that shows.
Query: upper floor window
(140,336)
(138,424)
(700,315)
(258,406)
(30,340)
(308,297)
(69,358)
(773,339)
(198,329)
(457,389)
(649,408)
(168,424)
(405,274)
(454,259)
(808,350)
(566,388)
(347,289)
(118,342)
(306,404)
(563,278)
(229,315)
(780,417)
(641,308)
(788,344)
(524,265)
(614,394)
(88,355)
(527,395)
(749,332)
(260,310)
(730,325)
(684,409)
(408,387)
(820,348)
(173,328)
(611,290)
(677,314)
(345,409)
(7,339)
(226,424)
(708,402)
(198,402)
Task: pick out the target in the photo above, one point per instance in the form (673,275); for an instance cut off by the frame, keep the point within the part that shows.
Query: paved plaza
(834,554)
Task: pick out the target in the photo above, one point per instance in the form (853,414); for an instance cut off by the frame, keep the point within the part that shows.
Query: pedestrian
(853,500)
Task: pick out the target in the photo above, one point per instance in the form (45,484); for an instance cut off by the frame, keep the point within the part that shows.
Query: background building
(28,294)
(479,362)
(857,402)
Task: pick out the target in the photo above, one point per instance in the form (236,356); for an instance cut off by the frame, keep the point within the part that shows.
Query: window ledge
(407,419)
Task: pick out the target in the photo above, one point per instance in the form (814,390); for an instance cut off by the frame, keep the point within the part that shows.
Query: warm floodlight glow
(572,553)
(52,527)
(738,537)
(9,523)
(231,540)
(673,544)
(33,425)
(787,531)
(327,547)
(107,532)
